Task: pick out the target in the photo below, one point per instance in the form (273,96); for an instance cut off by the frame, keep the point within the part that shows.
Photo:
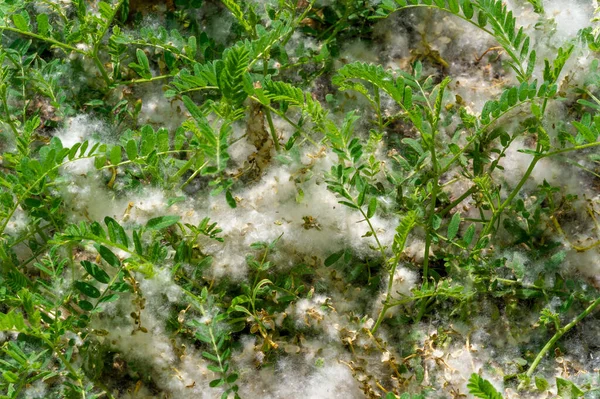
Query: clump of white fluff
(316,224)
(403,281)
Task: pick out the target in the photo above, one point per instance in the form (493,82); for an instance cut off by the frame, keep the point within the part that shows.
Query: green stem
(512,195)
(96,48)
(576,148)
(392,271)
(153,79)
(198,89)
(272,129)
(457,201)
(430,216)
(379,246)
(558,335)
(215,347)
(386,307)
(108,287)
(188,181)
(107,25)
(35,230)
(173,50)
(378,109)
(19,388)
(141,158)
(8,118)
(101,68)
(423,308)
(45,39)
(434,195)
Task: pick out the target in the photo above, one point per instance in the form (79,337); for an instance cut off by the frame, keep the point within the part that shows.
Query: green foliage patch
(396,144)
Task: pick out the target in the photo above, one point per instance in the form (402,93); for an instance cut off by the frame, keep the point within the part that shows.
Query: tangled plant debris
(313,199)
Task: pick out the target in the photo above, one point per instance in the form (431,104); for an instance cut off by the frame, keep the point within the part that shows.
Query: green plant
(295,205)
(482,388)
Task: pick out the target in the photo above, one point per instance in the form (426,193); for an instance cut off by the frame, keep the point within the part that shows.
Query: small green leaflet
(453,6)
(137,243)
(73,151)
(116,232)
(481,388)
(193,108)
(108,256)
(191,48)
(453,226)
(95,271)
(585,131)
(162,222)
(589,104)
(87,289)
(131,149)
(541,384)
(331,259)
(174,200)
(230,199)
(143,61)
(408,97)
(372,207)
(436,222)
(414,144)
(216,383)
(469,234)
(210,356)
(42,24)
(467,8)
(566,389)
(12,321)
(543,138)
(85,305)
(142,68)
(115,155)
(418,69)
(531,63)
(20,22)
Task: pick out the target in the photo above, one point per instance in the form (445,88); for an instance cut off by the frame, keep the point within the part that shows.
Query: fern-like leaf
(204,76)
(408,222)
(236,61)
(15,281)
(340,138)
(403,88)
(238,13)
(214,145)
(285,92)
(482,388)
(503,24)
(12,321)
(268,38)
(374,74)
(231,78)
(511,98)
